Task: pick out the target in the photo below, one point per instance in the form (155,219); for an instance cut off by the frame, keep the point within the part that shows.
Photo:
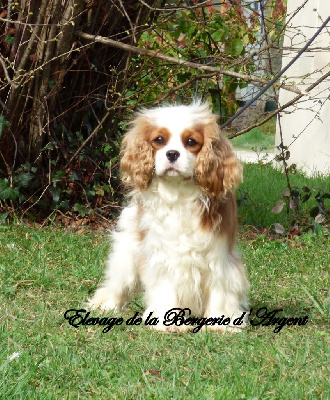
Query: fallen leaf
(320,218)
(285,193)
(278,207)
(155,373)
(279,228)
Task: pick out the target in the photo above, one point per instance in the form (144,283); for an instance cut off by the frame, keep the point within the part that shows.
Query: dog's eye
(159,140)
(191,142)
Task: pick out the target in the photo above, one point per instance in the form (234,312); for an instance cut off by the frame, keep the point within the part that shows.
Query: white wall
(309,121)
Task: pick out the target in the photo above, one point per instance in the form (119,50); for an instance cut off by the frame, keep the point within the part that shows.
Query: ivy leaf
(9,39)
(3,217)
(57,176)
(106,148)
(74,176)
(314,212)
(7,192)
(237,47)
(23,180)
(55,193)
(64,204)
(80,208)
(3,124)
(306,197)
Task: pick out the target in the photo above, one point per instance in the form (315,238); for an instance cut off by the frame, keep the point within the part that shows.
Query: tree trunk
(53,79)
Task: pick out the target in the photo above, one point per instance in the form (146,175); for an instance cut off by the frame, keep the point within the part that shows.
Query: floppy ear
(137,161)
(217,170)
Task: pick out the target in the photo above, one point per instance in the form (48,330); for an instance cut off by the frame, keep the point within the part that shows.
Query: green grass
(44,272)
(259,139)
(261,189)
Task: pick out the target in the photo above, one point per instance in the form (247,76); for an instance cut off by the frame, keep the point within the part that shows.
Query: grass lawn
(261,189)
(259,139)
(44,272)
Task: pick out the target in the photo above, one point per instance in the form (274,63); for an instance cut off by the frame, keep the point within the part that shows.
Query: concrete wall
(306,126)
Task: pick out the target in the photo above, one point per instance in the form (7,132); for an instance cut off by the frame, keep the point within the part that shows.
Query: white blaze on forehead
(178,118)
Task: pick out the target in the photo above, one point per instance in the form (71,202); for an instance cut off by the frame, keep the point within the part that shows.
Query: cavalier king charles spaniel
(176,237)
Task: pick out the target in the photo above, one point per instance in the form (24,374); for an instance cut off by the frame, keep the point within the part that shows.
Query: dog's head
(179,141)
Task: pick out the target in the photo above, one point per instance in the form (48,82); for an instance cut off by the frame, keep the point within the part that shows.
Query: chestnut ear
(137,161)
(217,170)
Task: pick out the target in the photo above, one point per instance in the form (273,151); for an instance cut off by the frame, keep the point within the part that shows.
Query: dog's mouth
(172,172)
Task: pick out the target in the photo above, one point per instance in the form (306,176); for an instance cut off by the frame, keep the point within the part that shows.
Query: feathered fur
(176,238)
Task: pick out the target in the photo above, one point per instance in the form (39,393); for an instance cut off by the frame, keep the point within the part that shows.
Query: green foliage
(263,195)
(318,209)
(85,187)
(201,35)
(6,191)
(74,167)
(62,102)
(3,124)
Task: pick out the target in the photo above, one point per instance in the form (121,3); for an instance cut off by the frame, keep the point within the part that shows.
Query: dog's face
(179,141)
(176,152)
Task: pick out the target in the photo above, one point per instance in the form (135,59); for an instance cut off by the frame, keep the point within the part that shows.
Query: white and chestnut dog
(176,237)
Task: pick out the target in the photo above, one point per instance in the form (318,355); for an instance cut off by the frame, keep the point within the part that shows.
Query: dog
(176,237)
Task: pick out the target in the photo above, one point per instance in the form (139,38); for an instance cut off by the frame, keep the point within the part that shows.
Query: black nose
(172,155)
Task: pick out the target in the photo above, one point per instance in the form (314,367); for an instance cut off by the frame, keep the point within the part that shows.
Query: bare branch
(189,64)
(181,7)
(33,36)
(4,67)
(286,105)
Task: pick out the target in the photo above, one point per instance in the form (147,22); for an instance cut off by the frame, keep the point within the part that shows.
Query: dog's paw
(103,301)
(104,306)
(169,329)
(154,319)
(223,329)
(233,321)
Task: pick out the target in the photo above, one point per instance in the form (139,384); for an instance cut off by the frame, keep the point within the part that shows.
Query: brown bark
(53,79)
